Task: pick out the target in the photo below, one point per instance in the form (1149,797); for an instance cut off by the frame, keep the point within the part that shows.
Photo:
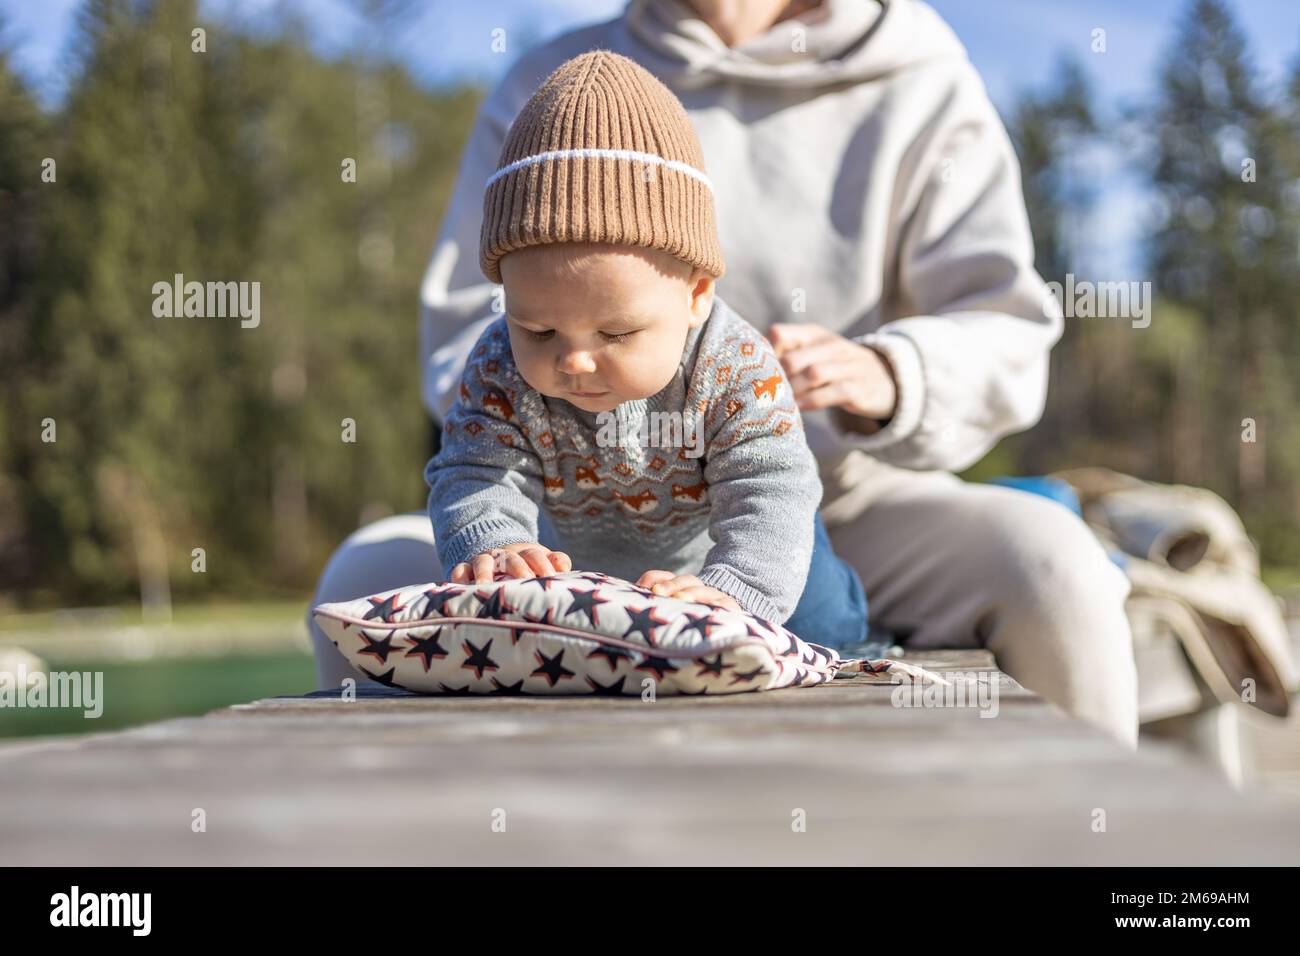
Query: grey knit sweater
(711,476)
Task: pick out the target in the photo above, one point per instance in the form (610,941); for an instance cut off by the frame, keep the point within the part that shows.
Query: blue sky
(1014,43)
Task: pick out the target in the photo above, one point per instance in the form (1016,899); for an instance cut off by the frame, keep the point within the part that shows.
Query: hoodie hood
(843,41)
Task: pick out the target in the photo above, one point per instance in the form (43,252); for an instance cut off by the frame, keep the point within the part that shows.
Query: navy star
(440,597)
(659,665)
(427,648)
(384,609)
(611,654)
(644,620)
(379,650)
(552,668)
(517,633)
(810,660)
(740,676)
(494,605)
(701,623)
(385,679)
(613,690)
(586,602)
(507,689)
(545,582)
(749,629)
(478,660)
(458,691)
(714,666)
(794,645)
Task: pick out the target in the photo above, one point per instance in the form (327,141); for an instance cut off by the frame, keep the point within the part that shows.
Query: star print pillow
(580,632)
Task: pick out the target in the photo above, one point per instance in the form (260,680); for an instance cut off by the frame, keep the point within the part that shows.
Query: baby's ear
(701,293)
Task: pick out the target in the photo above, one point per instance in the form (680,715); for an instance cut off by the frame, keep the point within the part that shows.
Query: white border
(650,158)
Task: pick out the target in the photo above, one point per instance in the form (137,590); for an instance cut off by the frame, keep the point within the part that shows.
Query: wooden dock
(398,779)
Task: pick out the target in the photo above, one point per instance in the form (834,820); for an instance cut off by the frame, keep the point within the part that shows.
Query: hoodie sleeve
(456,300)
(971,356)
(763,484)
(485,483)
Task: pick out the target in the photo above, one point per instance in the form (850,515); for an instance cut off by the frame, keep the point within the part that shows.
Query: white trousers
(946,563)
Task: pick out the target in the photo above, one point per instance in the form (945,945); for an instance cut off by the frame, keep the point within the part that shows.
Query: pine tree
(23,137)
(1221,251)
(1053,130)
(220,164)
(1050,130)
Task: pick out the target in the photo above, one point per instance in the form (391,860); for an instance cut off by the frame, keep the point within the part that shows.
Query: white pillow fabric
(581,632)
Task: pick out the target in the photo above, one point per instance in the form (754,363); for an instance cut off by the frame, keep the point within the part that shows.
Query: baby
(620,416)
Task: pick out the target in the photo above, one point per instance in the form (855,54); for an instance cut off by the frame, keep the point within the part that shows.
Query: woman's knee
(390,553)
(1046,564)
(1058,623)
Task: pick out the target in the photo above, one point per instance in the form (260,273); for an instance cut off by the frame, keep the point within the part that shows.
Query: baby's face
(598,324)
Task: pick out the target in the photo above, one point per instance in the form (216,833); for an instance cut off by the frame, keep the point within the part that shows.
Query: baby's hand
(525,560)
(686,587)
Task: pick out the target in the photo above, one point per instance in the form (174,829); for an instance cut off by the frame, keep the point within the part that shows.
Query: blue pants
(832,611)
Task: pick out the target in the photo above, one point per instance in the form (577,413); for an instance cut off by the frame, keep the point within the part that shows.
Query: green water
(138,692)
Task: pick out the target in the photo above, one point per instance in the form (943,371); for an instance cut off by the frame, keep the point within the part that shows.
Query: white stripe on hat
(650,158)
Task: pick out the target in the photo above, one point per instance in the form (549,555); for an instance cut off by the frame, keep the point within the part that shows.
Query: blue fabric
(832,611)
(1055,488)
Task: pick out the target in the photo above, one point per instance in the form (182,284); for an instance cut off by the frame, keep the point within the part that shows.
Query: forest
(155,458)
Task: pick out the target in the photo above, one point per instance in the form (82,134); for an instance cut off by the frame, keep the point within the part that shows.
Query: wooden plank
(409,780)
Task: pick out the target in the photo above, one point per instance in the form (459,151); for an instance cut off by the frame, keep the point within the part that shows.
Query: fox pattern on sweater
(737,510)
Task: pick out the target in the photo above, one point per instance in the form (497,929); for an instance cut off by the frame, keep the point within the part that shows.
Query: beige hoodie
(861,174)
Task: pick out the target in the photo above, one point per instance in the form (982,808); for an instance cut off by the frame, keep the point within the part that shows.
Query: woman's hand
(829,371)
(526,560)
(686,587)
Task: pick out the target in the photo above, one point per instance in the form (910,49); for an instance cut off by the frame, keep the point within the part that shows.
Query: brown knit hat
(603,152)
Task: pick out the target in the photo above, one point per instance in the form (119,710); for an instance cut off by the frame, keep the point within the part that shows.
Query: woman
(869,204)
